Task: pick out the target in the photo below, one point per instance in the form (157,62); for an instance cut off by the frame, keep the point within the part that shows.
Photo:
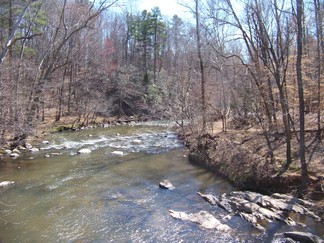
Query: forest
(244,62)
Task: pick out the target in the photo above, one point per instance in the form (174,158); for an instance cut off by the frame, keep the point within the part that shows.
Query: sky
(168,7)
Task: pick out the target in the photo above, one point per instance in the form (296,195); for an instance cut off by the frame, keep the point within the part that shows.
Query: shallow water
(63,196)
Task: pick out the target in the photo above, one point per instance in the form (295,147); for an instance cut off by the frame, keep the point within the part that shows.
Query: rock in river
(137,141)
(8,151)
(14,155)
(34,150)
(84,151)
(120,153)
(6,183)
(202,218)
(166,184)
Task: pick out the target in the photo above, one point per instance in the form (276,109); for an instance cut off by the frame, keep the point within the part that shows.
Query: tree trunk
(60,101)
(320,52)
(155,50)
(272,104)
(201,65)
(70,88)
(303,164)
(287,127)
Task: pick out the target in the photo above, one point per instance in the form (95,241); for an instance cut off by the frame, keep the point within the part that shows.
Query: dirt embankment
(242,156)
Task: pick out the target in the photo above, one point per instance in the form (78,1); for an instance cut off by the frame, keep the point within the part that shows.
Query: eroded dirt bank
(243,157)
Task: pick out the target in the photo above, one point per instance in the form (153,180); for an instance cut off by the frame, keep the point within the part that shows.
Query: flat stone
(202,218)
(255,207)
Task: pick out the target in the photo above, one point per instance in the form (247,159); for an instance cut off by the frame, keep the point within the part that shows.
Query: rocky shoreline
(256,209)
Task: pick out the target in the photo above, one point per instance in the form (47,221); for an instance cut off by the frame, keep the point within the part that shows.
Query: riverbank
(242,157)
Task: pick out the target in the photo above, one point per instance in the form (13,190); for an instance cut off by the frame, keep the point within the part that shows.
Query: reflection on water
(101,197)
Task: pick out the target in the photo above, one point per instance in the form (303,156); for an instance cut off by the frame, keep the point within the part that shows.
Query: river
(63,196)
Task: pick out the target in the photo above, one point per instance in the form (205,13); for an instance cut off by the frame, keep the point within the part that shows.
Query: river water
(63,196)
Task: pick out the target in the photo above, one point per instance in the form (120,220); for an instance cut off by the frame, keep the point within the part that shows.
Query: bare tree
(60,38)
(275,42)
(320,56)
(201,66)
(304,174)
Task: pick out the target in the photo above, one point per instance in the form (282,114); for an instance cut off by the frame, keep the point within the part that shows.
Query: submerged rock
(201,218)
(166,184)
(84,151)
